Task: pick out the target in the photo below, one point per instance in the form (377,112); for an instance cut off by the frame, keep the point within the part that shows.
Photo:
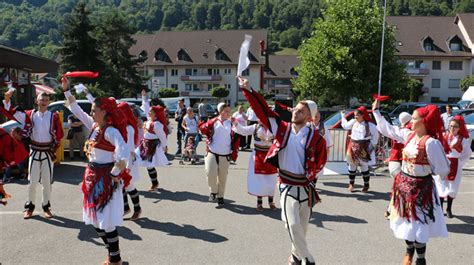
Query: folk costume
(12,152)
(132,165)
(45,131)
(299,157)
(360,152)
(222,145)
(395,159)
(103,198)
(458,154)
(262,176)
(326,134)
(415,211)
(151,152)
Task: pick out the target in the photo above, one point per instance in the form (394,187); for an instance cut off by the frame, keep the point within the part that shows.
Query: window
(418,64)
(435,83)
(189,71)
(188,87)
(227,71)
(293,71)
(159,72)
(455,65)
(220,55)
(213,71)
(453,83)
(436,65)
(453,100)
(195,87)
(175,86)
(184,56)
(428,44)
(455,44)
(227,86)
(143,55)
(435,99)
(174,72)
(195,71)
(161,55)
(246,72)
(211,86)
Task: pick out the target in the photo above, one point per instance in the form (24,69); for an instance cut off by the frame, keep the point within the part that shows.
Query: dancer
(326,134)
(458,154)
(222,147)
(102,182)
(45,131)
(151,152)
(262,176)
(299,153)
(132,166)
(415,212)
(363,138)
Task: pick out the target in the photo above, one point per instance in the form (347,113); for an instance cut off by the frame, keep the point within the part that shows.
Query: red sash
(453,168)
(262,167)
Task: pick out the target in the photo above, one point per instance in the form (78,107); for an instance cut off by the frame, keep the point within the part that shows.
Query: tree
(214,16)
(219,92)
(466,83)
(120,76)
(199,15)
(168,93)
(415,89)
(79,50)
(341,59)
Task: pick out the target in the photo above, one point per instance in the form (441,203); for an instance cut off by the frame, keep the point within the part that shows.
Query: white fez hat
(404,118)
(313,107)
(220,106)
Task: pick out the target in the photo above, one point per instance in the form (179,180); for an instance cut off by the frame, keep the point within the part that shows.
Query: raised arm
(244,130)
(390,131)
(75,108)
(20,116)
(145,104)
(346,125)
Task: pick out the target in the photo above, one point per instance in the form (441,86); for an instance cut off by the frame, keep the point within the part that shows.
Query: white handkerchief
(244,61)
(10,87)
(80,88)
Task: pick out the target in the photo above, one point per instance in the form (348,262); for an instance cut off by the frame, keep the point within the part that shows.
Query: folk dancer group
(426,162)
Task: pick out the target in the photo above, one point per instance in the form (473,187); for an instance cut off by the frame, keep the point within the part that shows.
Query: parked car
(211,112)
(412,106)
(464,104)
(172,104)
(334,121)
(463,112)
(9,126)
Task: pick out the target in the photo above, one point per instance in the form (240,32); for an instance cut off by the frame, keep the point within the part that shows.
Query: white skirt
(133,168)
(415,230)
(158,160)
(260,184)
(447,187)
(110,216)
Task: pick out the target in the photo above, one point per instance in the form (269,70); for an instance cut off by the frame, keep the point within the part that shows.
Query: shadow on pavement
(367,197)
(69,174)
(318,219)
(245,210)
(87,233)
(466,228)
(186,230)
(177,196)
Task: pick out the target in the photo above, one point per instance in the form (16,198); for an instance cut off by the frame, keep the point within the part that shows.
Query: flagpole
(381,50)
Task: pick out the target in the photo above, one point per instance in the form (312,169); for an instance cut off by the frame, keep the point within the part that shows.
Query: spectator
(241,118)
(447,117)
(75,136)
(178,116)
(251,120)
(16,134)
(202,111)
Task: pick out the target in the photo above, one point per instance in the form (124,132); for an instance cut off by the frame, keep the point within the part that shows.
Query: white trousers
(296,213)
(40,171)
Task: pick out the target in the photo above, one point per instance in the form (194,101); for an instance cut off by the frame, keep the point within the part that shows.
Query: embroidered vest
(100,142)
(422,157)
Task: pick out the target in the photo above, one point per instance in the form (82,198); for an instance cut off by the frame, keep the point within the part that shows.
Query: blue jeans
(8,171)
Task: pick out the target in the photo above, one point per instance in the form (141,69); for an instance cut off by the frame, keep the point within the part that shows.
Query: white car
(469,119)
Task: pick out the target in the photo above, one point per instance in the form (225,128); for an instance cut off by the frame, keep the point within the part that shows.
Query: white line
(39,213)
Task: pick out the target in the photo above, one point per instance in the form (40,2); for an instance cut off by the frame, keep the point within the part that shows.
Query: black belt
(415,177)
(100,165)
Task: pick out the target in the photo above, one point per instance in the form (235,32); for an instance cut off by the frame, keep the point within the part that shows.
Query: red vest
(315,153)
(100,142)
(207,128)
(422,157)
(396,152)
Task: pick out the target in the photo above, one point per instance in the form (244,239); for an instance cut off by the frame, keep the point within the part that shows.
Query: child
(189,150)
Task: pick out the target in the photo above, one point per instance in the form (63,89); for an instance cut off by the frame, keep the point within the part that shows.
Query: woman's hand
(65,83)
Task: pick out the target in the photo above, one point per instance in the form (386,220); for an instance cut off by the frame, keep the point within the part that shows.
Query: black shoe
(449,214)
(178,152)
(220,202)
(420,261)
(212,197)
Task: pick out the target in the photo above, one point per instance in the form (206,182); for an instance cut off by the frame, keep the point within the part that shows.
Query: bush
(466,83)
(219,92)
(168,93)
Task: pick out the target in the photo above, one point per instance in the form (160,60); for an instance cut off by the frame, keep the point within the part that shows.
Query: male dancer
(299,153)
(45,132)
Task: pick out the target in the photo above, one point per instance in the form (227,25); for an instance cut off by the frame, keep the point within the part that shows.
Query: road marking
(21,212)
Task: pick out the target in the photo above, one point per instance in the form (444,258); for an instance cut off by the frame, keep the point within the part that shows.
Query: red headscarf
(130,119)
(462,126)
(161,117)
(365,114)
(115,115)
(433,123)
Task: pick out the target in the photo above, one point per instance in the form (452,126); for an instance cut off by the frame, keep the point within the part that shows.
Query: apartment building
(279,75)
(438,51)
(193,62)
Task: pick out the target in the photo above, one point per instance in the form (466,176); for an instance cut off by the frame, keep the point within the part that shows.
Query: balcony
(418,71)
(201,78)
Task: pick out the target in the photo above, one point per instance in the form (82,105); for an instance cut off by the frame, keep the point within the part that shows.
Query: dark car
(412,106)
(211,112)
(334,121)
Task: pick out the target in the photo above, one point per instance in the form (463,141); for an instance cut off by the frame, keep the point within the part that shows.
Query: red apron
(261,167)
(453,168)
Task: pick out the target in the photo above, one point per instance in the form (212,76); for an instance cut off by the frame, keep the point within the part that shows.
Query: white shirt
(292,157)
(358,130)
(265,137)
(202,111)
(191,124)
(466,149)
(41,124)
(130,138)
(159,133)
(221,140)
(251,116)
(240,118)
(446,119)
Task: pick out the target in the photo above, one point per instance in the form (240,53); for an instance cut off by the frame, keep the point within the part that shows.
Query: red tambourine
(380,97)
(86,74)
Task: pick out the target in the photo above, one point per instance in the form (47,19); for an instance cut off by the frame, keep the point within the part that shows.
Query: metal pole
(381,50)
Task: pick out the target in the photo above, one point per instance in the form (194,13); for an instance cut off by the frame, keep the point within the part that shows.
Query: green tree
(341,59)
(290,38)
(414,88)
(79,50)
(200,15)
(219,92)
(168,93)
(466,83)
(120,76)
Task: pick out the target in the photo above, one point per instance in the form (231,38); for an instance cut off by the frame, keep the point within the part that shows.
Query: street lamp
(381,49)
